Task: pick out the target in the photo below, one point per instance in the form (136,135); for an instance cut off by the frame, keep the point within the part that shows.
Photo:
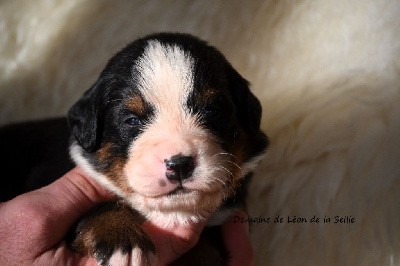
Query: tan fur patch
(115,171)
(106,225)
(239,152)
(136,104)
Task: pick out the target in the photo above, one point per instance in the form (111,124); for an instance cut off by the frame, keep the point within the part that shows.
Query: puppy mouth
(179,191)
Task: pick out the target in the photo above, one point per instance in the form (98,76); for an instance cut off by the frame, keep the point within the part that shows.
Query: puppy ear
(83,119)
(249,112)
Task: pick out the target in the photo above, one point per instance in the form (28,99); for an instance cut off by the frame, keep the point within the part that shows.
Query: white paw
(135,257)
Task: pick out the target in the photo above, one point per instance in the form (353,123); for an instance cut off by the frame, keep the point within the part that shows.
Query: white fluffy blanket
(327,73)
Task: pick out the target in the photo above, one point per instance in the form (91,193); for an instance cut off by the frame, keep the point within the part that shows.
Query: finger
(62,255)
(237,242)
(173,242)
(50,211)
(75,193)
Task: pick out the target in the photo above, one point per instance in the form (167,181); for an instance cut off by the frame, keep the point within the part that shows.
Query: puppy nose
(179,167)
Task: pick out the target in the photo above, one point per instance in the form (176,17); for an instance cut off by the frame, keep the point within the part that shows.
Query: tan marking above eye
(136,104)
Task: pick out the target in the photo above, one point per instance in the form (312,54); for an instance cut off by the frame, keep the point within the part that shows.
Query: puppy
(174,131)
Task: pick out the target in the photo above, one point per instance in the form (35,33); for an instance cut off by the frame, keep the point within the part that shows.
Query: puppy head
(170,127)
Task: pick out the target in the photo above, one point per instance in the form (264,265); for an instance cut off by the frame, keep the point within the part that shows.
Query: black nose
(179,167)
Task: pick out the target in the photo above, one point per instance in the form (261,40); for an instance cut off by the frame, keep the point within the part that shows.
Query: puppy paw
(111,233)
(133,252)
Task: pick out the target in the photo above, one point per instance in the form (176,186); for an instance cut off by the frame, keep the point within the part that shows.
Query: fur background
(327,73)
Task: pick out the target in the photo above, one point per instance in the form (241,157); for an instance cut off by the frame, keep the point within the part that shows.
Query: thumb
(71,196)
(50,211)
(42,217)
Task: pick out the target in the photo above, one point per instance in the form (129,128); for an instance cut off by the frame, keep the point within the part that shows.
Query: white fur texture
(135,257)
(166,76)
(327,73)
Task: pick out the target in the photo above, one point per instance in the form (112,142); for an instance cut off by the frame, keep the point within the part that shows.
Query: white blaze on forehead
(165,76)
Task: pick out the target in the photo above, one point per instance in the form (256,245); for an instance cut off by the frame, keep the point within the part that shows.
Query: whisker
(224,183)
(225,194)
(115,100)
(230,161)
(226,169)
(238,166)
(225,153)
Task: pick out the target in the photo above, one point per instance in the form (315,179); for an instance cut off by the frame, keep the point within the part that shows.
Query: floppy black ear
(83,119)
(249,111)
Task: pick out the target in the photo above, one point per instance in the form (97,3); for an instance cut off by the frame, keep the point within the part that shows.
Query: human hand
(33,225)
(171,243)
(237,242)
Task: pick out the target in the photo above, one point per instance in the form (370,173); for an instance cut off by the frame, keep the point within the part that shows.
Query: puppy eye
(133,121)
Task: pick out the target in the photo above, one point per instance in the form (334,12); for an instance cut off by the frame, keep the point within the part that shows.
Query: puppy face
(170,127)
